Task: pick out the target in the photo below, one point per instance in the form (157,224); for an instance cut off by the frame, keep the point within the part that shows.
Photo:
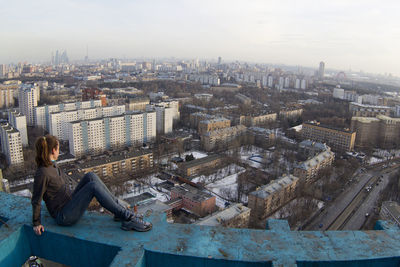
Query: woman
(67,207)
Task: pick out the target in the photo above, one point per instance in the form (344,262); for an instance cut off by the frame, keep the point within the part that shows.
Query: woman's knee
(91,176)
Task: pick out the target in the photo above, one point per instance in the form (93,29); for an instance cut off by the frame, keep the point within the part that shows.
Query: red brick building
(194,200)
(94,93)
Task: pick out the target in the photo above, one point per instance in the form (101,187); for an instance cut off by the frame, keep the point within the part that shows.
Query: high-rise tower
(27,99)
(321,71)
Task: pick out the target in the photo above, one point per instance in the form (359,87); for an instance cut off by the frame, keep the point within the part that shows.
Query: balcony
(97,241)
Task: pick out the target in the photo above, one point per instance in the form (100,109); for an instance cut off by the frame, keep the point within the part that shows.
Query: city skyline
(361,35)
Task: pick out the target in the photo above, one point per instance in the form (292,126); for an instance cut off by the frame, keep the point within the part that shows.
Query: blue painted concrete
(97,241)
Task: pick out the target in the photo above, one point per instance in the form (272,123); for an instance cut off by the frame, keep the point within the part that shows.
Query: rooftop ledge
(97,241)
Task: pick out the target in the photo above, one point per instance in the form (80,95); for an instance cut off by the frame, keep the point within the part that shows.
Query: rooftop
(213,120)
(274,186)
(226,130)
(96,240)
(191,192)
(192,163)
(365,119)
(369,106)
(117,156)
(328,127)
(224,215)
(310,163)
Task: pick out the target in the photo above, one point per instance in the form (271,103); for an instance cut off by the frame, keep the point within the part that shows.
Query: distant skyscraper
(321,71)
(27,99)
(219,60)
(59,58)
(2,70)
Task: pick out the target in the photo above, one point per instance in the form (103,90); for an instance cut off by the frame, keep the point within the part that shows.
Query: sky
(345,34)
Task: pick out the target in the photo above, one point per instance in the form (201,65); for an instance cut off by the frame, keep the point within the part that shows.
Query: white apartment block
(100,134)
(18,121)
(174,104)
(28,98)
(7,93)
(41,113)
(164,118)
(205,79)
(11,144)
(58,121)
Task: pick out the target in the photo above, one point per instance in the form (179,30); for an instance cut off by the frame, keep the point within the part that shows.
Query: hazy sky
(356,34)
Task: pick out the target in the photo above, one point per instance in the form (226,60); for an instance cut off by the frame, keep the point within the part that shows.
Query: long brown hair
(44,147)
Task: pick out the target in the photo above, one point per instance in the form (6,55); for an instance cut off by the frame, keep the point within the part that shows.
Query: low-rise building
(381,131)
(222,136)
(268,198)
(234,216)
(213,124)
(309,169)
(204,97)
(262,137)
(199,202)
(243,99)
(257,120)
(123,162)
(196,117)
(290,113)
(362,110)
(194,167)
(338,139)
(138,104)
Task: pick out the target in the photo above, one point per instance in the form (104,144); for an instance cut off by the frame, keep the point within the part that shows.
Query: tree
(189,157)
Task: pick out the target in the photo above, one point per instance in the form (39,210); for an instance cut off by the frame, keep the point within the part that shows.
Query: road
(354,202)
(368,205)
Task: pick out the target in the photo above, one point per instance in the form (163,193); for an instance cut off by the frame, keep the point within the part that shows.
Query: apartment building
(97,135)
(11,144)
(119,163)
(338,139)
(262,137)
(235,216)
(268,198)
(7,93)
(245,100)
(194,167)
(362,110)
(199,202)
(138,104)
(41,113)
(58,120)
(27,99)
(206,126)
(196,117)
(290,113)
(257,120)
(18,121)
(222,136)
(308,170)
(376,131)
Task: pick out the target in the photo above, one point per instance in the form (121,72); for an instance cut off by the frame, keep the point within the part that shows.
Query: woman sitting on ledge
(65,206)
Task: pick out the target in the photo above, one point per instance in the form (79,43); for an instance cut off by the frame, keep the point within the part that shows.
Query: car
(366,214)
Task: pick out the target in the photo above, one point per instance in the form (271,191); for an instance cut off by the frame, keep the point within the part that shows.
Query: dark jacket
(50,184)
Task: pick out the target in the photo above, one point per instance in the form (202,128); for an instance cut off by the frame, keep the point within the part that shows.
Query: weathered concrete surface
(97,241)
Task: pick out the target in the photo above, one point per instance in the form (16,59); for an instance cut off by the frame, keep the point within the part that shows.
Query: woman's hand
(39,229)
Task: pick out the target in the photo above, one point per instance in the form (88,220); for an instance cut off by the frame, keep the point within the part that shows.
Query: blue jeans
(90,186)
